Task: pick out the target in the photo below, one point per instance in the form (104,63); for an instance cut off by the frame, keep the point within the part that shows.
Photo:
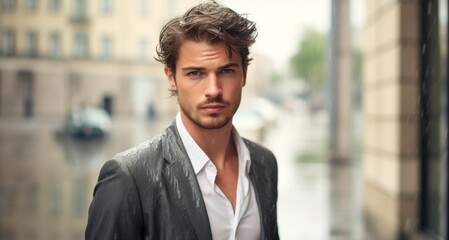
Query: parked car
(88,122)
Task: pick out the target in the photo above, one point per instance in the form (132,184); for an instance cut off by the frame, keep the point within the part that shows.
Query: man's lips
(213,106)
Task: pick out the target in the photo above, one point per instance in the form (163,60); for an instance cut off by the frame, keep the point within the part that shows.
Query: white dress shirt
(224,223)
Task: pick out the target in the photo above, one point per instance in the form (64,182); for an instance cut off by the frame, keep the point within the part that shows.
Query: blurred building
(56,55)
(405,118)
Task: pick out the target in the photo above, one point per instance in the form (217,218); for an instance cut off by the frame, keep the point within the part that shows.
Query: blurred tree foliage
(309,62)
(276,77)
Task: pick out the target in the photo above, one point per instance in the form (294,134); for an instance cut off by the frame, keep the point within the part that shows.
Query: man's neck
(216,143)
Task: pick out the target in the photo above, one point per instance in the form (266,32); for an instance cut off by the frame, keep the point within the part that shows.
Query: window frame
(31,5)
(80,45)
(8,39)
(55,5)
(107,6)
(54,44)
(32,43)
(107,47)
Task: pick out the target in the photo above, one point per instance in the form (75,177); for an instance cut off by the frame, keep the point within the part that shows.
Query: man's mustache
(217,99)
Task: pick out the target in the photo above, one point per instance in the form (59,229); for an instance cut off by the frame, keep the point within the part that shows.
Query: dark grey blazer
(151,192)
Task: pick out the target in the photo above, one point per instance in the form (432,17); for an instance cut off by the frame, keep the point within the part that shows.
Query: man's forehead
(191,50)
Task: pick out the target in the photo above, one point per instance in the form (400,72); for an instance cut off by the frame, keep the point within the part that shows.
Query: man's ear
(171,79)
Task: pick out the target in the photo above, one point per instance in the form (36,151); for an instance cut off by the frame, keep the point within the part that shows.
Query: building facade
(405,118)
(56,55)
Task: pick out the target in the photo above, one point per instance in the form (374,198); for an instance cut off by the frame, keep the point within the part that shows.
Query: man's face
(208,83)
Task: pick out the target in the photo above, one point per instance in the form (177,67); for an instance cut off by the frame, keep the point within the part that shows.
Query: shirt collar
(242,151)
(195,153)
(199,158)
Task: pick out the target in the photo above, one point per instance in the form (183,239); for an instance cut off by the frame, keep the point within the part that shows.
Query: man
(199,179)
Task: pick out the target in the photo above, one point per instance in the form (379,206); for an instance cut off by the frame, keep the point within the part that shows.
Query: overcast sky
(281,23)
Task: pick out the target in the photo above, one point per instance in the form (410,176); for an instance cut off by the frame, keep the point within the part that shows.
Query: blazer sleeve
(115,211)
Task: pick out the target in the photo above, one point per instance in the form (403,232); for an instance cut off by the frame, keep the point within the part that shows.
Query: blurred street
(317,199)
(46,180)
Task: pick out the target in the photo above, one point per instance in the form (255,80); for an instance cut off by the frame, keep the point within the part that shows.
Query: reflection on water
(46,181)
(82,152)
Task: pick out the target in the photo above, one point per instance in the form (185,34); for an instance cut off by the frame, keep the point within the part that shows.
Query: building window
(55,5)
(144,7)
(31,5)
(31,44)
(80,45)
(79,10)
(7,4)
(26,89)
(107,6)
(7,42)
(143,50)
(106,47)
(54,45)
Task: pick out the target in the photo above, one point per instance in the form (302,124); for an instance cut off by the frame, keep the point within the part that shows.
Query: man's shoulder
(148,152)
(259,151)
(142,149)
(256,147)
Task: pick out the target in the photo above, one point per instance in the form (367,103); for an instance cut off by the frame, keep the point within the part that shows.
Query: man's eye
(227,71)
(194,74)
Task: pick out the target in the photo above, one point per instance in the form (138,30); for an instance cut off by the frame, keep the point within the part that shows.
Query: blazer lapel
(182,180)
(266,199)
(258,184)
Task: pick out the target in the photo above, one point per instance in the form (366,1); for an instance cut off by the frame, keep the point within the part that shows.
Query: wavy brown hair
(209,22)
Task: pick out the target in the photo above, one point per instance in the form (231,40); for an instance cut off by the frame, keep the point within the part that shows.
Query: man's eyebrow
(192,68)
(229,65)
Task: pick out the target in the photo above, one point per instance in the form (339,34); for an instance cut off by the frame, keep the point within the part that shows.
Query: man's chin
(213,123)
(208,121)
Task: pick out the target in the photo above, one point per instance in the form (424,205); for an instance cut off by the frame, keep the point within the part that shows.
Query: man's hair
(210,22)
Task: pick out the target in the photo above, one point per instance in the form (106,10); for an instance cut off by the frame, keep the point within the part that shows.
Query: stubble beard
(213,120)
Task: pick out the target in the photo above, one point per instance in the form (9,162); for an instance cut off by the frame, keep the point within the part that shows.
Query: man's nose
(213,86)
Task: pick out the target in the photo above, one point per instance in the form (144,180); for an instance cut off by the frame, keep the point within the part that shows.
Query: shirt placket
(211,173)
